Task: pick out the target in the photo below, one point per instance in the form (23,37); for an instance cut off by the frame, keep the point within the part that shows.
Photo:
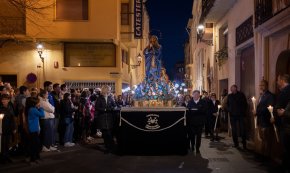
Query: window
(90,55)
(71,10)
(12,19)
(223,37)
(125,57)
(125,14)
(180,70)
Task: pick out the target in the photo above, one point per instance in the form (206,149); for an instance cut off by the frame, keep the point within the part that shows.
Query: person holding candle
(237,106)
(214,119)
(281,107)
(263,116)
(8,126)
(286,138)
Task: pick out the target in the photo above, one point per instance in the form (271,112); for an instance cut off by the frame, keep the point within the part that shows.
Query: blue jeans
(48,132)
(69,130)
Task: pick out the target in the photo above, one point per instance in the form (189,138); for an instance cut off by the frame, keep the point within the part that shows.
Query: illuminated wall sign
(138,19)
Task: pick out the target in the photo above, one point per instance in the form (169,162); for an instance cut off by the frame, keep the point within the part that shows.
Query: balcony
(214,10)
(266,9)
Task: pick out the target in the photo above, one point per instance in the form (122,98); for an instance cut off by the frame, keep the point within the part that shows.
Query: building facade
(179,72)
(85,43)
(240,42)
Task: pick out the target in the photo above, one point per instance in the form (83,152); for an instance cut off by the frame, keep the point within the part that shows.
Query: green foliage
(221,56)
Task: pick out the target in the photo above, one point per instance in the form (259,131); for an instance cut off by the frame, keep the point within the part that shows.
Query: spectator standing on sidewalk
(34,112)
(48,122)
(8,127)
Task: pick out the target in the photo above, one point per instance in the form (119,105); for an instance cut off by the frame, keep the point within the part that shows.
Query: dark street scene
(149,86)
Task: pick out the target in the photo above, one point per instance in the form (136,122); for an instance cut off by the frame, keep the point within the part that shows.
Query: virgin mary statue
(152,55)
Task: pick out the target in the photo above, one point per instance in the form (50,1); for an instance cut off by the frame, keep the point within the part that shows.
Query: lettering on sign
(138,19)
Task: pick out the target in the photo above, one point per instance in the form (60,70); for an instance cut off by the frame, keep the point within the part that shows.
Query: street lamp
(139,60)
(40,50)
(200,32)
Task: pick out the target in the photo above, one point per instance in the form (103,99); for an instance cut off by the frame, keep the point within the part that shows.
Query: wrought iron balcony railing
(206,6)
(266,9)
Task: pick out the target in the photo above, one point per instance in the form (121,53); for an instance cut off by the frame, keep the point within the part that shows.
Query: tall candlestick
(270,108)
(216,118)
(254,108)
(1,118)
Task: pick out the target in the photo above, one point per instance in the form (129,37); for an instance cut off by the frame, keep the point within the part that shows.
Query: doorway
(11,78)
(247,76)
(283,64)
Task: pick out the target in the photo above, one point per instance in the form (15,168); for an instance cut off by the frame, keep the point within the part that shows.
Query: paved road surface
(215,157)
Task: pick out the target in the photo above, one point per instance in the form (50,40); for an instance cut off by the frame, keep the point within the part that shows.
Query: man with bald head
(237,106)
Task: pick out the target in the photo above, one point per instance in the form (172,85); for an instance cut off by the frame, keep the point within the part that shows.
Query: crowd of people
(38,120)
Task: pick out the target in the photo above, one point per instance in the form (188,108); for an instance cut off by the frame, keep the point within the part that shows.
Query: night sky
(168,20)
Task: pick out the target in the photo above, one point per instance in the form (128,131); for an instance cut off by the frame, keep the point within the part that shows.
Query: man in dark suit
(104,107)
(195,120)
(283,100)
(237,106)
(264,116)
(214,113)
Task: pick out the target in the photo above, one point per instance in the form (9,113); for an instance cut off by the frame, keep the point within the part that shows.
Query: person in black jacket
(8,127)
(195,120)
(286,137)
(264,116)
(237,107)
(282,108)
(67,111)
(104,107)
(214,116)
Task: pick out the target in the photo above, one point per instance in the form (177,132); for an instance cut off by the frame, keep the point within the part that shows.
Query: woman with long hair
(67,111)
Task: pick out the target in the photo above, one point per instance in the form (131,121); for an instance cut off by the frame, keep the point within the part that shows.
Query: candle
(216,118)
(254,103)
(1,117)
(270,108)
(254,107)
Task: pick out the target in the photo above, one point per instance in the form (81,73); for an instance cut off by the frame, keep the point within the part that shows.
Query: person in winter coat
(67,110)
(48,122)
(195,120)
(104,107)
(34,112)
(8,127)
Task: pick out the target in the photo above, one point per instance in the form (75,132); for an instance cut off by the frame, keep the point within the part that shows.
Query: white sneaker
(67,144)
(90,138)
(44,149)
(72,144)
(52,148)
